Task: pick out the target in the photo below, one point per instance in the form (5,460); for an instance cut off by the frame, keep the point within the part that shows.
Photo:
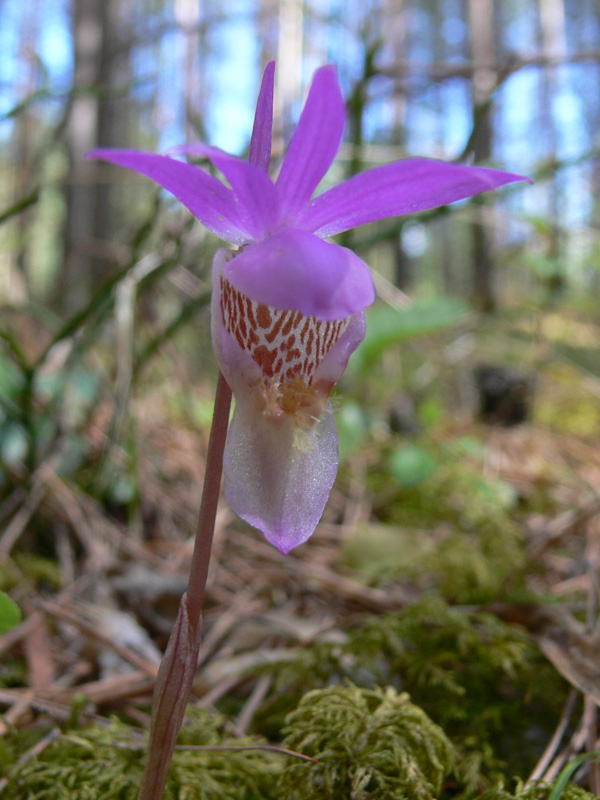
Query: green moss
(539,791)
(478,678)
(482,706)
(465,566)
(40,570)
(10,575)
(13,672)
(564,406)
(34,570)
(107,762)
(454,532)
(369,743)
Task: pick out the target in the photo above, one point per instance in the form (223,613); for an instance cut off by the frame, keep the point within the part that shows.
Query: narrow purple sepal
(403,187)
(262,132)
(315,142)
(206,197)
(255,193)
(293,269)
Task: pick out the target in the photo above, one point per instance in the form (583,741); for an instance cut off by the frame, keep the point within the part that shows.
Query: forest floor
(468,581)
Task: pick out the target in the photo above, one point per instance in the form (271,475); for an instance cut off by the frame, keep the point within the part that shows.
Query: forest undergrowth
(435,639)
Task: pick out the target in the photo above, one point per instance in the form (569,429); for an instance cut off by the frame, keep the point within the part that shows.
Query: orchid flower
(288,307)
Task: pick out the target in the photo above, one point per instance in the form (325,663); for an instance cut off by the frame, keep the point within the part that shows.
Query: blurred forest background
(458,556)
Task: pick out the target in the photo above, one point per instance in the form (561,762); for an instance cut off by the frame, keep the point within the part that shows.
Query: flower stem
(178,667)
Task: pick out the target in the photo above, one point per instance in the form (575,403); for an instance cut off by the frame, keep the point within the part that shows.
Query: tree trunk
(96,118)
(481,32)
(24,146)
(187,16)
(554,47)
(288,76)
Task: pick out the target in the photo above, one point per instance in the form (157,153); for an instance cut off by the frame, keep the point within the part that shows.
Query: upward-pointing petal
(403,187)
(260,143)
(255,193)
(314,144)
(206,197)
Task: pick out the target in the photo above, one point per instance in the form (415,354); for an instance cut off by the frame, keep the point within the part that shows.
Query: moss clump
(369,743)
(453,533)
(564,405)
(107,762)
(35,570)
(540,791)
(475,676)
(464,566)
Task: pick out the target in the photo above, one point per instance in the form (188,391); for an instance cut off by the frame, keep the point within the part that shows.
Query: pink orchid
(288,307)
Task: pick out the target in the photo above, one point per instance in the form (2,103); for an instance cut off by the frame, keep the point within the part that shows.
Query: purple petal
(294,269)
(277,478)
(315,142)
(260,143)
(257,197)
(206,197)
(403,187)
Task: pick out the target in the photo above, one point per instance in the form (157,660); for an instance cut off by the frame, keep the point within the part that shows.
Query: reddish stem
(178,667)
(210,500)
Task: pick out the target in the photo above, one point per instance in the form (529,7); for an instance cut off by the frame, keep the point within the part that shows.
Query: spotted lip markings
(285,344)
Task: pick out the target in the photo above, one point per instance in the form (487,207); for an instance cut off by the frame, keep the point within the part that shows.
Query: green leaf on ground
(10,614)
(411,465)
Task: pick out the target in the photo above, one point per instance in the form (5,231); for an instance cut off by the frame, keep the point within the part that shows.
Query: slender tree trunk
(95,119)
(447,265)
(481,31)
(553,41)
(394,31)
(187,16)
(288,76)
(24,146)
